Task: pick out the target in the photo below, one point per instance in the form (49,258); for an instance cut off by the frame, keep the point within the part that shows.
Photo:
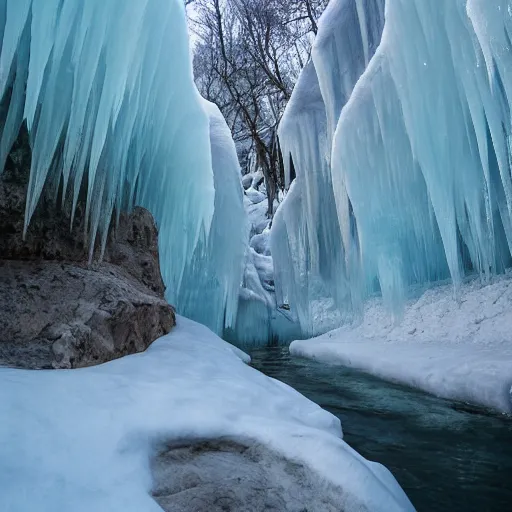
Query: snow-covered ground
(454,347)
(82,440)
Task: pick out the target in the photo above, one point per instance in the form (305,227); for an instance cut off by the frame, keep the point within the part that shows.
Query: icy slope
(460,349)
(107,92)
(81,440)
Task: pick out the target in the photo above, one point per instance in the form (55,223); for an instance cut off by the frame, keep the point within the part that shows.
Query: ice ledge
(453,348)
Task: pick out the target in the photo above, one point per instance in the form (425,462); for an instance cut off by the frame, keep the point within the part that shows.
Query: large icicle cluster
(306,242)
(309,258)
(421,155)
(212,278)
(107,92)
(429,124)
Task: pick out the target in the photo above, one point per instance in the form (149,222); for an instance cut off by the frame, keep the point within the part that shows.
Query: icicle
(420,138)
(110,101)
(311,265)
(218,259)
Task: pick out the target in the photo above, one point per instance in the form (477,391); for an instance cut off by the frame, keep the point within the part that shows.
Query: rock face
(56,311)
(224,476)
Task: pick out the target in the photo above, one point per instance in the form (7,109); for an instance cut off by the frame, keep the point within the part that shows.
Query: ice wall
(418,149)
(305,241)
(349,32)
(212,278)
(310,261)
(423,145)
(107,92)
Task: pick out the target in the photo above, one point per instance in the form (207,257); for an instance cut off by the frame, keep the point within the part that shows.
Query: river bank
(446,455)
(113,437)
(456,346)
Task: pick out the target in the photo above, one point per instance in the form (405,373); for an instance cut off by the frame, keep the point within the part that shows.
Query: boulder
(58,310)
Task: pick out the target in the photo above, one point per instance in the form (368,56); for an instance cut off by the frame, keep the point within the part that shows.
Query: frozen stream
(447,456)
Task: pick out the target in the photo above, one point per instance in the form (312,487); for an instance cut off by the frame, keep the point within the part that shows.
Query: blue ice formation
(210,288)
(409,130)
(260,319)
(107,93)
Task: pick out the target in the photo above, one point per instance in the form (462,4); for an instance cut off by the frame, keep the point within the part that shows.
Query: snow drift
(107,93)
(81,440)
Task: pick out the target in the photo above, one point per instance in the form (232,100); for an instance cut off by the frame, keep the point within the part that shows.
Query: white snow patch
(81,440)
(459,348)
(255,196)
(261,243)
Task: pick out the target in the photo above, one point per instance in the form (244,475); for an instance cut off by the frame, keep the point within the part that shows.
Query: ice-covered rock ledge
(83,439)
(459,349)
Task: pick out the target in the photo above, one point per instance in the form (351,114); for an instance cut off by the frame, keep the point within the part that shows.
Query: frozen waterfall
(409,130)
(310,259)
(212,277)
(107,93)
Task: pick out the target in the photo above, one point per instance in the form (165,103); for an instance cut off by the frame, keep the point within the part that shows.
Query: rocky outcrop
(56,310)
(62,315)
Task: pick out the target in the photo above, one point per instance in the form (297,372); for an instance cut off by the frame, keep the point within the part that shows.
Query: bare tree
(247,58)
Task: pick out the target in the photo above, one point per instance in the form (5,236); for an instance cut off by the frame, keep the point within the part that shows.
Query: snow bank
(81,439)
(454,348)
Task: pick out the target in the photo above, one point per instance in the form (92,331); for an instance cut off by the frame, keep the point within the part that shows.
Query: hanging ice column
(107,92)
(423,145)
(349,32)
(306,241)
(420,161)
(309,258)
(212,278)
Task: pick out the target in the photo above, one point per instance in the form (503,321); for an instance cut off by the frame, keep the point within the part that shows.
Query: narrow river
(447,456)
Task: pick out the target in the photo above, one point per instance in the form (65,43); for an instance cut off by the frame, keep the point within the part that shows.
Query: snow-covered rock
(255,196)
(247,181)
(261,243)
(82,440)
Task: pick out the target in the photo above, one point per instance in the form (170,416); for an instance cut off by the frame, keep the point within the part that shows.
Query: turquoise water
(447,456)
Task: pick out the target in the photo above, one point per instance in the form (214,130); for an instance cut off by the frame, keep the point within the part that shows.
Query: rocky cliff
(56,310)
